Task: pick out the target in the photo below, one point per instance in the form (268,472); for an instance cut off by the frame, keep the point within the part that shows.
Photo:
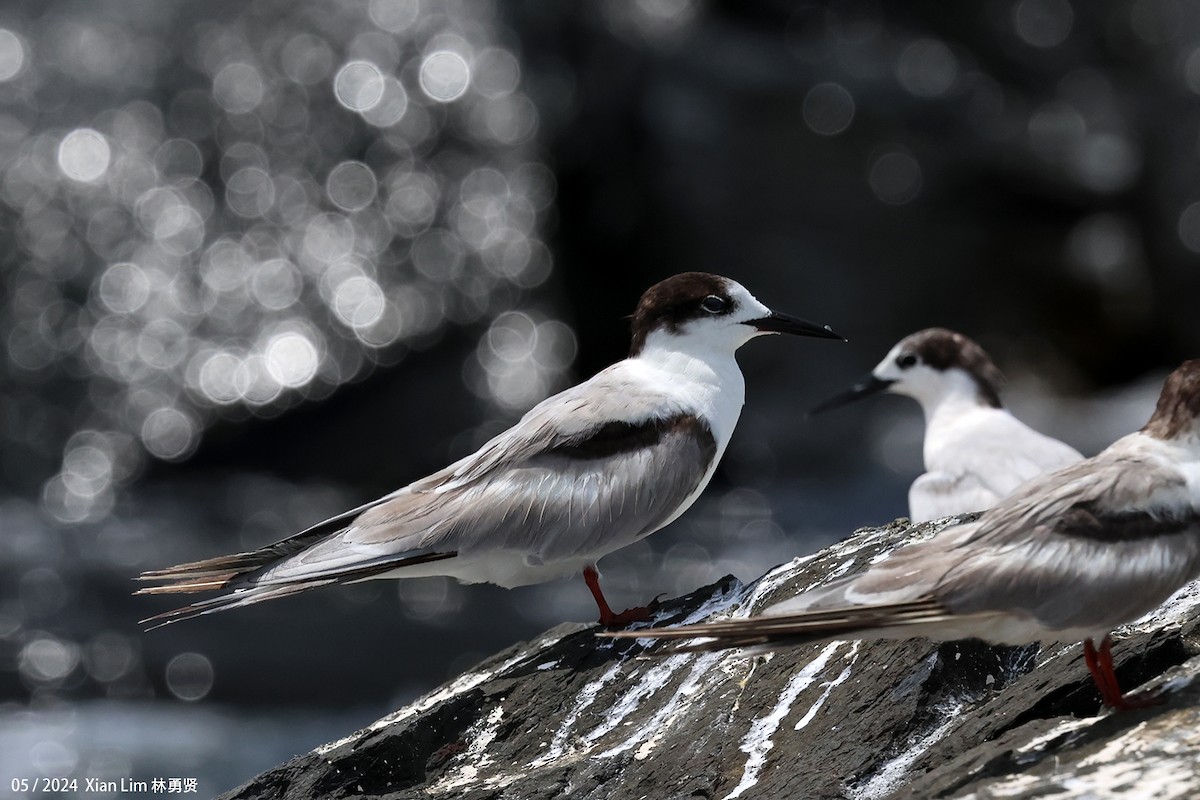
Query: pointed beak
(786,323)
(865,388)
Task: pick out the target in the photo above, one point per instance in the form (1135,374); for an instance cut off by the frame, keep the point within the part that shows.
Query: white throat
(951,394)
(701,375)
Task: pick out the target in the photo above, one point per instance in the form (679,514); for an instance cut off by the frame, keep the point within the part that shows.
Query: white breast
(976,455)
(701,380)
(705,383)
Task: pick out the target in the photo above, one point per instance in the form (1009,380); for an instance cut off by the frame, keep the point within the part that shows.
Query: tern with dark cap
(975,451)
(585,472)
(1067,558)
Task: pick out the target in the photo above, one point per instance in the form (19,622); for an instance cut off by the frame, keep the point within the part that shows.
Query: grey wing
(580,499)
(586,471)
(907,575)
(570,416)
(582,474)
(1096,545)
(398,526)
(1091,546)
(592,496)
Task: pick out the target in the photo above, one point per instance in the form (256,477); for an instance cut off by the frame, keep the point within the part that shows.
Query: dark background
(264,261)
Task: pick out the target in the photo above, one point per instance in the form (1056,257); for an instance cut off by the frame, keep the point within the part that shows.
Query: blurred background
(263,261)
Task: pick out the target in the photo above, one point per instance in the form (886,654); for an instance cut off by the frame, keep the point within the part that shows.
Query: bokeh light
(306,59)
(109,656)
(895,177)
(445,76)
(521,360)
(12,54)
(190,676)
(391,107)
(238,88)
(47,661)
(84,155)
(497,73)
(169,433)
(351,186)
(292,359)
(1191,70)
(395,16)
(1189,227)
(301,208)
(359,85)
(651,20)
(828,109)
(1043,23)
(927,68)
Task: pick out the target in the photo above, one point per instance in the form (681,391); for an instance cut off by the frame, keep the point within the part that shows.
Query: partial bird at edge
(1069,557)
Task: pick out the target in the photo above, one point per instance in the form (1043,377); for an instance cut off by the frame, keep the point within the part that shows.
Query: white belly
(502,568)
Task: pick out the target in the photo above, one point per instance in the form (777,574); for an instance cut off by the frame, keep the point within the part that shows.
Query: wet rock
(570,715)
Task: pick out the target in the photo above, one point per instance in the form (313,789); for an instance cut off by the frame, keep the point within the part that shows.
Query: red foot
(638,614)
(609,619)
(1100,664)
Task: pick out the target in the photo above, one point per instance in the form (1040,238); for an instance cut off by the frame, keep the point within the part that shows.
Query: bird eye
(905,360)
(714,304)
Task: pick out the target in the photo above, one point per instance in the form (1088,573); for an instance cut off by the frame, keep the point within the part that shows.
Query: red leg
(607,618)
(1103,678)
(1100,664)
(1123,703)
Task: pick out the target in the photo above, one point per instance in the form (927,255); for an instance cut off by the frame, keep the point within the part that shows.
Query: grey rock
(571,715)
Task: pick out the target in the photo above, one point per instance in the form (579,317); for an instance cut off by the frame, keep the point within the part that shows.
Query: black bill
(865,388)
(786,323)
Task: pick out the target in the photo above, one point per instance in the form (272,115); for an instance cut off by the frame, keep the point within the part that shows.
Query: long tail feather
(243,563)
(221,566)
(242,597)
(249,593)
(205,583)
(793,629)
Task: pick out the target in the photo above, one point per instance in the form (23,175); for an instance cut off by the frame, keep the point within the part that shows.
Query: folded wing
(567,480)
(1093,546)
(1096,545)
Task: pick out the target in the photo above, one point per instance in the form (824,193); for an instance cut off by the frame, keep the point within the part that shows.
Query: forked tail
(239,573)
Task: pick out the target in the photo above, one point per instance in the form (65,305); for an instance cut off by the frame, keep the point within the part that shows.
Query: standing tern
(588,471)
(975,451)
(1069,557)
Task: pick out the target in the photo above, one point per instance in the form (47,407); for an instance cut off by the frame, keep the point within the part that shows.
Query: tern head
(1177,414)
(698,309)
(929,366)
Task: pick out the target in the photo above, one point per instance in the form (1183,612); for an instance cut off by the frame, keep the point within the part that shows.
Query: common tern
(1069,557)
(975,451)
(588,471)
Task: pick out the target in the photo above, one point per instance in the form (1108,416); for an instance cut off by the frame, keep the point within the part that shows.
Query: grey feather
(1081,551)
(490,513)
(574,460)
(1091,546)
(1097,545)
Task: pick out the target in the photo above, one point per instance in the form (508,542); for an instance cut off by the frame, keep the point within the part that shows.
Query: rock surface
(570,715)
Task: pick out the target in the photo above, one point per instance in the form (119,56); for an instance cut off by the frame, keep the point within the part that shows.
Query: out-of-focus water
(219,746)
